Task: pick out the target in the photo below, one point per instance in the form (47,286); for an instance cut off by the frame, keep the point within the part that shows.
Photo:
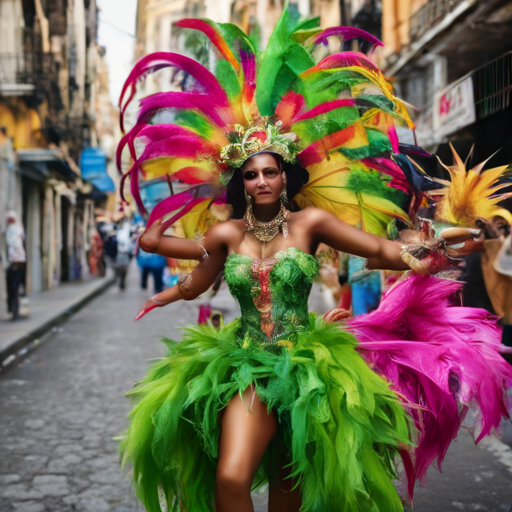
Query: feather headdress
(471,194)
(335,116)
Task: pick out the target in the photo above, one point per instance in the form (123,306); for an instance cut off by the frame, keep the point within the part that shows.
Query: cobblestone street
(61,407)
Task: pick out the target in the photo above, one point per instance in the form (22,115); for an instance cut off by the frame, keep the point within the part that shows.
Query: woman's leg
(244,438)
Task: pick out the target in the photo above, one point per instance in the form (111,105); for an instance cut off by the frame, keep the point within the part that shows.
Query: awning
(105,184)
(93,164)
(36,162)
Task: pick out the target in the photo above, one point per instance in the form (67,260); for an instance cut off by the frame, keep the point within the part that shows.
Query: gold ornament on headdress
(263,136)
(470,194)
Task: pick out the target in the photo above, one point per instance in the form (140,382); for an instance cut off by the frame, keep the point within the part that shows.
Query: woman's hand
(148,306)
(427,253)
(159,300)
(151,237)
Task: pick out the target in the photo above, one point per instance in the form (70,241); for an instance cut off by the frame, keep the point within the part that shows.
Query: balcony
(430,15)
(26,74)
(492,86)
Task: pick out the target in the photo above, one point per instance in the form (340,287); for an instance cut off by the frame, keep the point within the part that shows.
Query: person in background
(497,274)
(96,254)
(16,260)
(154,264)
(110,243)
(125,248)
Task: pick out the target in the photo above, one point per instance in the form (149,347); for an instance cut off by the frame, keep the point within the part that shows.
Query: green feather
(379,101)
(376,184)
(379,142)
(311,130)
(236,38)
(307,24)
(195,121)
(327,85)
(283,61)
(228,79)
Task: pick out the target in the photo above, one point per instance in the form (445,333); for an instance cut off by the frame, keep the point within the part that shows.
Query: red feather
(288,108)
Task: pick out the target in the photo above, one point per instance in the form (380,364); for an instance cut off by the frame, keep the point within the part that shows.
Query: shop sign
(454,108)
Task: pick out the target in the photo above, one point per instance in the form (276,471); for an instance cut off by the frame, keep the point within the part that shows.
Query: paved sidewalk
(47,310)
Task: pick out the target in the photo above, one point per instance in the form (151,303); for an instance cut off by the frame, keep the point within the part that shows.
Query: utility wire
(117,28)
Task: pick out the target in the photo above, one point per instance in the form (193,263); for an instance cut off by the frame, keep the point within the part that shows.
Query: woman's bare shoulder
(310,215)
(226,232)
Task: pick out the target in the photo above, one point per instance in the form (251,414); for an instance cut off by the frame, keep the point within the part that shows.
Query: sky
(117,34)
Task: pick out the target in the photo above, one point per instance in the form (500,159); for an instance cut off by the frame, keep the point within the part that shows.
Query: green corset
(272,293)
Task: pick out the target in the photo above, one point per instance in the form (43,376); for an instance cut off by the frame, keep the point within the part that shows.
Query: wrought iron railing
(492,86)
(430,15)
(28,68)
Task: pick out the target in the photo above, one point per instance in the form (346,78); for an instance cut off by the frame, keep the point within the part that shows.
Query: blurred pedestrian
(96,255)
(154,264)
(125,250)
(110,243)
(16,261)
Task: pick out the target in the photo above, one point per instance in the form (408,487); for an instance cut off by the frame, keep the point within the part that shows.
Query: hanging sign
(454,108)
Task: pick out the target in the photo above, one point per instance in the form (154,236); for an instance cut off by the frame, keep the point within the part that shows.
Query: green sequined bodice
(273,293)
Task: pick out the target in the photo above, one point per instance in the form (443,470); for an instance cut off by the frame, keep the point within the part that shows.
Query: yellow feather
(159,167)
(380,81)
(470,194)
(198,220)
(327,189)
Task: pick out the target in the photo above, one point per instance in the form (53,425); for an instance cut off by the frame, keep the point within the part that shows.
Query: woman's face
(263,179)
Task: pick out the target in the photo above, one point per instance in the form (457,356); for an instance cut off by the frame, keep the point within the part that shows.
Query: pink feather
(181,203)
(121,186)
(344,59)
(347,34)
(248,61)
(439,358)
(168,140)
(387,166)
(324,108)
(219,113)
(134,187)
(393,138)
(128,139)
(179,147)
(161,60)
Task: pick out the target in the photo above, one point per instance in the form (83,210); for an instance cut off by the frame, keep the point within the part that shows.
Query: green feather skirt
(340,423)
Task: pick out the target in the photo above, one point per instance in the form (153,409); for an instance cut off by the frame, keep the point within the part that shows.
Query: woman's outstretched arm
(153,240)
(380,253)
(199,280)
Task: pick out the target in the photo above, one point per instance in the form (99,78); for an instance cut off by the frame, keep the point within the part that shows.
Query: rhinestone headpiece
(263,136)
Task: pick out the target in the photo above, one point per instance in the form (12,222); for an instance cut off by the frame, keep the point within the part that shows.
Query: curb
(32,339)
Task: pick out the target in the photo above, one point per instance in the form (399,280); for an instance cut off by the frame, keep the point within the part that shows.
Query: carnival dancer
(302,152)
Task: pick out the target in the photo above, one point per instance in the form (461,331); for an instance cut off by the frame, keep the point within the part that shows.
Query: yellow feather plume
(470,194)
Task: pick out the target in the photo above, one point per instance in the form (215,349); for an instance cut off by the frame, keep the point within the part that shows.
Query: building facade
(451,60)
(50,99)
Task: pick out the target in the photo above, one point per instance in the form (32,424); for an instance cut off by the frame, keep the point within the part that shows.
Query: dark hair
(296,178)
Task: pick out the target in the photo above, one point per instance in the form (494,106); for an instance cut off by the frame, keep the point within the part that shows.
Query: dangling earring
(249,216)
(284,206)
(284,195)
(248,199)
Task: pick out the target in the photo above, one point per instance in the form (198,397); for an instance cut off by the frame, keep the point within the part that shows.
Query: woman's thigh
(246,431)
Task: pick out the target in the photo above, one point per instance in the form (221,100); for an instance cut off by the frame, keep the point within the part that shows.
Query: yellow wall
(22,124)
(395,23)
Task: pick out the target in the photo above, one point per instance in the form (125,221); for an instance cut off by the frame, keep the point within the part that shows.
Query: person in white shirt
(16,260)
